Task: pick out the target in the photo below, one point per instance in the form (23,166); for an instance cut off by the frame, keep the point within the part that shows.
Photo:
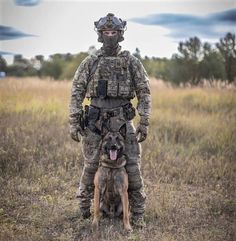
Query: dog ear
(105,130)
(123,130)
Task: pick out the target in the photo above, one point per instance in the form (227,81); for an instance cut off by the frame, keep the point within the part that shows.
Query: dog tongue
(113,155)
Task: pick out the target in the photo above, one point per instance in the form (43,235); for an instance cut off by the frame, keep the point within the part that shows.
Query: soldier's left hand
(141,132)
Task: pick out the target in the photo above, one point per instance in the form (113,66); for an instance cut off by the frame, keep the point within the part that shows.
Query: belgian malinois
(111,180)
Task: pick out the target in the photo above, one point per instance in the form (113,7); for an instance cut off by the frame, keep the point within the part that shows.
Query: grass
(188,165)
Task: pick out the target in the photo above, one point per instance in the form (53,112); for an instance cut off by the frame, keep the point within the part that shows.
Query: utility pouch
(129,111)
(102,88)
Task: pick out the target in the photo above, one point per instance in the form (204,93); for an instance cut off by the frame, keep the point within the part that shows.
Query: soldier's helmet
(110,22)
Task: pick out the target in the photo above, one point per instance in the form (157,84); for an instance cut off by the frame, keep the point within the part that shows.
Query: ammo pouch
(129,111)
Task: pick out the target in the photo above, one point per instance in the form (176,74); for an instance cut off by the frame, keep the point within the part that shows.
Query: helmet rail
(110,22)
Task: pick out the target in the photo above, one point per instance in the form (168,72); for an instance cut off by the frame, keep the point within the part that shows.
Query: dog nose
(113,147)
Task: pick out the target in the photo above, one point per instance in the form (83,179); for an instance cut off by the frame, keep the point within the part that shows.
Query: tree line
(195,61)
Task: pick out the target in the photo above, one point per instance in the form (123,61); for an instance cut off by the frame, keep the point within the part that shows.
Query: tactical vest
(112,78)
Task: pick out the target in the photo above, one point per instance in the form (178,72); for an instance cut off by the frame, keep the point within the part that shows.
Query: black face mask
(110,42)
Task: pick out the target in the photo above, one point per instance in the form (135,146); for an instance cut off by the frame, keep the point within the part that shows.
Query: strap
(93,69)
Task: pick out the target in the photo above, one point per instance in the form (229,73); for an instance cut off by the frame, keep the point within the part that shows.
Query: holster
(81,120)
(86,115)
(92,117)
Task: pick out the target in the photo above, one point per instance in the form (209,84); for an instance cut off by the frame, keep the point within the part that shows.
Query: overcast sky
(31,27)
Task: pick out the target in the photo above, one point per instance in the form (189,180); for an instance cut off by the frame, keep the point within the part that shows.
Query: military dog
(111,180)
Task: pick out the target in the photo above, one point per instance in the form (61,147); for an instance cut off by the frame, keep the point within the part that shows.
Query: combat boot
(85,213)
(138,221)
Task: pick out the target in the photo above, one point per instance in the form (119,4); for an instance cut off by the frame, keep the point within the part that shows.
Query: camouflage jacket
(138,76)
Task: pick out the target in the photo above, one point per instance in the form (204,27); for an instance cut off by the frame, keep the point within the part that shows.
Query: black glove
(74,133)
(76,130)
(141,132)
(142,129)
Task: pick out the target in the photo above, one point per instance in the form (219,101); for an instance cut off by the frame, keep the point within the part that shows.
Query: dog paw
(95,225)
(128,229)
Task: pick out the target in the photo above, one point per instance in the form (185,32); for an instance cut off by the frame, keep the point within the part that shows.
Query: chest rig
(112,78)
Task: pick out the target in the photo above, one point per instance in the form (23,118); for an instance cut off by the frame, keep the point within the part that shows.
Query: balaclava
(110,22)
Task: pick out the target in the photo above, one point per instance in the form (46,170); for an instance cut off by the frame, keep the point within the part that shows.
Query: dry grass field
(188,165)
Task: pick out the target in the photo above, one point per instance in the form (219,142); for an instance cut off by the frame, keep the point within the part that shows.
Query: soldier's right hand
(75,133)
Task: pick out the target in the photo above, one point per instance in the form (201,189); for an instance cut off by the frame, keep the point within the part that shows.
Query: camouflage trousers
(91,147)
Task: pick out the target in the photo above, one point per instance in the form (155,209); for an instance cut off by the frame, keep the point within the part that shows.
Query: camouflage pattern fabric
(140,82)
(135,82)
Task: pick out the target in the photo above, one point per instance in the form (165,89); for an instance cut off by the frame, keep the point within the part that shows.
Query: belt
(107,113)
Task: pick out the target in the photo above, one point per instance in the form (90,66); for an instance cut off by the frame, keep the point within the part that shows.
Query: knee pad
(132,149)
(134,177)
(88,174)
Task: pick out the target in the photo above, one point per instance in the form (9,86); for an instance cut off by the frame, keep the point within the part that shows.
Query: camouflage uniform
(124,77)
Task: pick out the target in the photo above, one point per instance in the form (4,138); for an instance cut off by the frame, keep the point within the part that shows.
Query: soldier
(110,78)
